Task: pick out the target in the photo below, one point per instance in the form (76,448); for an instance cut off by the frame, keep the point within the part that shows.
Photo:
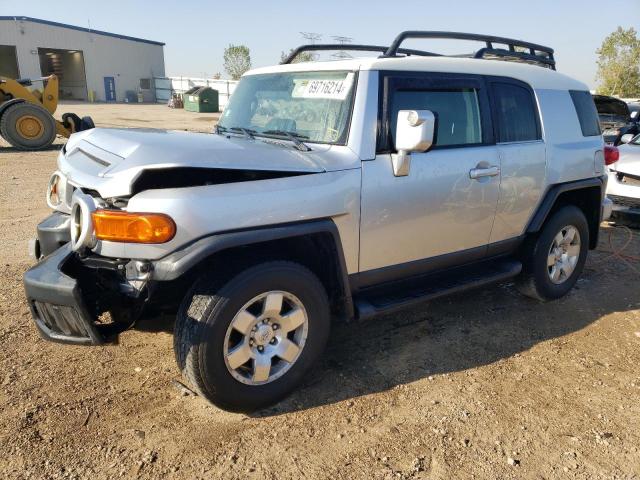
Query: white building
(89,62)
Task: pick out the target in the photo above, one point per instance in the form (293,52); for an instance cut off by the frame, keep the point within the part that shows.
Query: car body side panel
(205,210)
(570,155)
(522,179)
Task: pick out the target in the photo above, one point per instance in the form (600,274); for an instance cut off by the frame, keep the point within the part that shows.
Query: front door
(447,203)
(109,89)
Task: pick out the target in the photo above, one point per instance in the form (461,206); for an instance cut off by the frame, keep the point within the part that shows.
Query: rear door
(522,154)
(443,211)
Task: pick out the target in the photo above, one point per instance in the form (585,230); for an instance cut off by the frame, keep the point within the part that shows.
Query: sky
(196,32)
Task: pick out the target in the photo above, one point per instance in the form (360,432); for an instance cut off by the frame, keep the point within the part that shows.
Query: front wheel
(555,258)
(248,343)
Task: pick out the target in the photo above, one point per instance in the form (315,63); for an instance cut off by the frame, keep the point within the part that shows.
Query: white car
(623,187)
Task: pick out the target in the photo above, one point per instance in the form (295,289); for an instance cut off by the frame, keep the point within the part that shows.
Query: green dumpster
(201,99)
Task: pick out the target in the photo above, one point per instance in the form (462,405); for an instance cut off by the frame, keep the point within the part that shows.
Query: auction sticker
(330,89)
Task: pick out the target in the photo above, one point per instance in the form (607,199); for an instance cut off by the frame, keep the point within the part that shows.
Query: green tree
(619,64)
(301,57)
(237,60)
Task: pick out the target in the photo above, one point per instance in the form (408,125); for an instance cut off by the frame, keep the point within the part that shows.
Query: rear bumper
(56,303)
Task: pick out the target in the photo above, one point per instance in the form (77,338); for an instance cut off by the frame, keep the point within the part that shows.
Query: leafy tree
(237,60)
(301,57)
(619,64)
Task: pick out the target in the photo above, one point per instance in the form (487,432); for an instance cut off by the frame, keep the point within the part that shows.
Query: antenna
(342,41)
(311,37)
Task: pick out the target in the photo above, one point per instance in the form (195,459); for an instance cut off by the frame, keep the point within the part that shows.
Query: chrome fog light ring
(55,195)
(81,223)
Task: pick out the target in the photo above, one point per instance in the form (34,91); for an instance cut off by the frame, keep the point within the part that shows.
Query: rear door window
(516,115)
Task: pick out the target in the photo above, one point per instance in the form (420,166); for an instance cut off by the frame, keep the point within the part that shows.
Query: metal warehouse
(90,64)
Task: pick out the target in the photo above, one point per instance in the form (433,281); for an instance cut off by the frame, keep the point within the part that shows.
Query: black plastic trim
(46,283)
(180,262)
(353,48)
(394,273)
(53,232)
(552,195)
(514,51)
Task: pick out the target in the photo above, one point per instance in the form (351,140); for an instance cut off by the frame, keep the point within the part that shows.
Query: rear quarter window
(587,112)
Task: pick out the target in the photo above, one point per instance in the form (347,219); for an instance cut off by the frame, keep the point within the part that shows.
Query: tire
(27,126)
(537,278)
(203,334)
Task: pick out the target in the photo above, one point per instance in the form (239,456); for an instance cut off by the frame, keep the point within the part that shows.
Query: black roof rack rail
(534,53)
(352,47)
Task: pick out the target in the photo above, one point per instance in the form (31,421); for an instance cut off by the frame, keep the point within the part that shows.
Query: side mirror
(635,114)
(414,133)
(626,138)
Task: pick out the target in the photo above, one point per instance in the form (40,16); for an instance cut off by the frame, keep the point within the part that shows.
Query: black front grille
(625,201)
(61,319)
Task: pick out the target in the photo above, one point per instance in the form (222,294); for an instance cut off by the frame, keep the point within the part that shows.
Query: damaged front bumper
(67,293)
(56,302)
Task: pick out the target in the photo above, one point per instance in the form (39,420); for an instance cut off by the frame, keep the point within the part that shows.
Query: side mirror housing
(414,133)
(634,115)
(626,138)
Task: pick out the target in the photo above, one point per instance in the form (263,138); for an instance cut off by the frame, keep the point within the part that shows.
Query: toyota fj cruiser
(342,189)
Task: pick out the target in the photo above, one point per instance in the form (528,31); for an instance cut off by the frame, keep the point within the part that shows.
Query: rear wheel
(27,126)
(555,258)
(248,343)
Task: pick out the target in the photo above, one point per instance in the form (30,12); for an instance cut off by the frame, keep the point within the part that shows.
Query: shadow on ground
(452,334)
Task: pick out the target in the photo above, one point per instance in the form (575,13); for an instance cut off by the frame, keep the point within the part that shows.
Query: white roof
(537,77)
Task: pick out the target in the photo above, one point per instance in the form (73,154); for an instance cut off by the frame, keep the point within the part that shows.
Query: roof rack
(517,50)
(353,48)
(533,53)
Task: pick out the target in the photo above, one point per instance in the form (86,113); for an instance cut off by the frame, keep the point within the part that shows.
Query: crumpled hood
(629,160)
(109,160)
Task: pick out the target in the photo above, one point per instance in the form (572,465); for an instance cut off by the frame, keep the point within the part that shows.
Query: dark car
(615,118)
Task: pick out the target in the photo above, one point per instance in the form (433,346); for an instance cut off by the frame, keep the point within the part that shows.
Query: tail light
(118,226)
(611,154)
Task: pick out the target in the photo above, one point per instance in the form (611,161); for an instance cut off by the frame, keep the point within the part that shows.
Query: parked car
(335,190)
(623,187)
(615,119)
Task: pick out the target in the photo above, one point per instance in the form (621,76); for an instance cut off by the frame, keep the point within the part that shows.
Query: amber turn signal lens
(117,226)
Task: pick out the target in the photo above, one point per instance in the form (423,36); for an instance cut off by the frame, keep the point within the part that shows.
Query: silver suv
(332,190)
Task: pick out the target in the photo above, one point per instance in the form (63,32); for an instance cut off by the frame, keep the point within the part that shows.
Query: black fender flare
(181,261)
(9,103)
(552,194)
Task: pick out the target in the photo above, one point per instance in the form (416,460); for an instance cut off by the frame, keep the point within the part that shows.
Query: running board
(407,293)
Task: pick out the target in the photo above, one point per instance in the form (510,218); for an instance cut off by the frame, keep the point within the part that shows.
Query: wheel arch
(314,244)
(586,194)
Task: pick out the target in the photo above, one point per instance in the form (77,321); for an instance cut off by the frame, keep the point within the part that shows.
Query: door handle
(476,173)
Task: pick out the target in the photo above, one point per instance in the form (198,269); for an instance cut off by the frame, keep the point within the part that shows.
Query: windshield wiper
(247,132)
(293,136)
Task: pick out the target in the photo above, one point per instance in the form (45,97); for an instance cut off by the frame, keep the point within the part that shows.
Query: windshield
(311,106)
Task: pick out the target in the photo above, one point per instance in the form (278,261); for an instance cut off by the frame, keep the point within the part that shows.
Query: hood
(629,160)
(109,160)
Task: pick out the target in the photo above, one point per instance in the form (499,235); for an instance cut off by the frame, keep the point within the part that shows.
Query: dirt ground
(487,384)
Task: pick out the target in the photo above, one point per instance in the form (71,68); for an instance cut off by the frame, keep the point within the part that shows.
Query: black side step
(399,295)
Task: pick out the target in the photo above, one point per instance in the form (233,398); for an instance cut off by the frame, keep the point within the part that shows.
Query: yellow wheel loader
(26,116)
